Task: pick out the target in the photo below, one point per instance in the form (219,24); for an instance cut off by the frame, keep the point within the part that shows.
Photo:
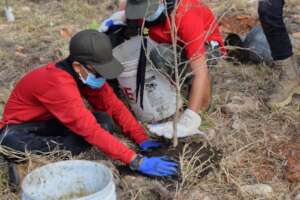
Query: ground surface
(256,142)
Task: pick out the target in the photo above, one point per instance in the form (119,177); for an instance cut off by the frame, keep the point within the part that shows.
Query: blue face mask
(92,81)
(157,14)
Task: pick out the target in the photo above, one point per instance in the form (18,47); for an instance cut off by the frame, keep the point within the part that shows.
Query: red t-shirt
(196,25)
(50,92)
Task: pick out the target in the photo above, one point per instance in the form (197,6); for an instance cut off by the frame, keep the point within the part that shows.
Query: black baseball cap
(138,9)
(94,48)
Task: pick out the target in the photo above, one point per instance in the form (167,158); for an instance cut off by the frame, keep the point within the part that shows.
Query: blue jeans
(271,18)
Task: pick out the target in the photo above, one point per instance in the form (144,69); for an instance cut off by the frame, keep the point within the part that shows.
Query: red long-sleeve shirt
(195,23)
(50,92)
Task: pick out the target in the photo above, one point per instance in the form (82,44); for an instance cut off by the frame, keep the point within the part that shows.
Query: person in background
(271,18)
(196,26)
(45,110)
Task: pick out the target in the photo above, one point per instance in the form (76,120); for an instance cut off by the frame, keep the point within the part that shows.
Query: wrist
(144,140)
(141,137)
(133,157)
(135,163)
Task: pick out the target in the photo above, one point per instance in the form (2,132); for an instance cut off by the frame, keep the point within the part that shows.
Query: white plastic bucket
(159,100)
(66,180)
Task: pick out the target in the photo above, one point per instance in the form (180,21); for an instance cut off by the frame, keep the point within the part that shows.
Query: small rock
(261,190)
(211,134)
(237,123)
(195,194)
(296,35)
(26,8)
(133,180)
(66,32)
(148,187)
(240,104)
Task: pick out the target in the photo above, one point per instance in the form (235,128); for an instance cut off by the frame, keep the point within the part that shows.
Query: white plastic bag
(9,14)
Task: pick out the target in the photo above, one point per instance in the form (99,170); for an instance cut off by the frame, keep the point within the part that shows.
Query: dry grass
(253,137)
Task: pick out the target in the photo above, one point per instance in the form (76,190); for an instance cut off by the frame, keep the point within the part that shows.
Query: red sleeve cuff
(141,138)
(126,158)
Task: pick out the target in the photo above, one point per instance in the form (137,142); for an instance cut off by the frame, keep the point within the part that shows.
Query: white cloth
(118,18)
(9,14)
(187,125)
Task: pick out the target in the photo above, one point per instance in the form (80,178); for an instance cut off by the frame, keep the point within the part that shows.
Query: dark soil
(200,152)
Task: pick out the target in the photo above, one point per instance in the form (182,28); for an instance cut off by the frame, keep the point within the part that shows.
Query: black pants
(43,137)
(271,17)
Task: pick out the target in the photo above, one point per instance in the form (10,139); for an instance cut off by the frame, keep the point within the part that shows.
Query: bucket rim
(72,163)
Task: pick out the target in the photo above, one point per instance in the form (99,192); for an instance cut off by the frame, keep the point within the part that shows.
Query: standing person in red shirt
(46,110)
(196,26)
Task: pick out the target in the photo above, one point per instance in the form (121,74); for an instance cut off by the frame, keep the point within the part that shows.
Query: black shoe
(13,177)
(10,168)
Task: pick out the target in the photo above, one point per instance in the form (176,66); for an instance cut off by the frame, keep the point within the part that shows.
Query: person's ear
(76,66)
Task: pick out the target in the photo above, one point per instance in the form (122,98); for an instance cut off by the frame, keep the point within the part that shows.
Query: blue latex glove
(158,166)
(118,18)
(148,145)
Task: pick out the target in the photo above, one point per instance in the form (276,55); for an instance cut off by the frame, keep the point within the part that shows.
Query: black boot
(13,177)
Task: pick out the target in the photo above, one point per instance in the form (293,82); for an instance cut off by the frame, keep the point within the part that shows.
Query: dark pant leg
(40,137)
(271,17)
(32,136)
(105,121)
(76,144)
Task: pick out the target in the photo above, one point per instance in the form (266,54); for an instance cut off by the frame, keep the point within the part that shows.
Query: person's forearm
(200,94)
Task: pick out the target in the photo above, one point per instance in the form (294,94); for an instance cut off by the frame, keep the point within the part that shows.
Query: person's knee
(75,144)
(14,140)
(105,121)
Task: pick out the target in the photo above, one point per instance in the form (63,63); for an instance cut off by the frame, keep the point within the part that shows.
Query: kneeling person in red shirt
(191,25)
(46,110)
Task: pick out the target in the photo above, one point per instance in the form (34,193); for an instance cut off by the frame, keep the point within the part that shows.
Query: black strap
(141,72)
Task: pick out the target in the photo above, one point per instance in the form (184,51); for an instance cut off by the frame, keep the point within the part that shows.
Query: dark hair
(70,60)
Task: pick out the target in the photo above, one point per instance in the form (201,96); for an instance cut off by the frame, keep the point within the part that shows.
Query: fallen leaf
(20,54)
(20,49)
(242,17)
(293,164)
(237,24)
(263,170)
(66,32)
(293,167)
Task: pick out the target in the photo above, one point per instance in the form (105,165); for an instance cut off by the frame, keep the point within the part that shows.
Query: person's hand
(158,166)
(149,145)
(187,125)
(118,18)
